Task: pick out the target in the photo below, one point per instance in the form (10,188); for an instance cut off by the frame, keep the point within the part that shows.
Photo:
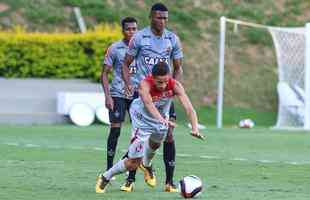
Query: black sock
(111,145)
(169,160)
(132,176)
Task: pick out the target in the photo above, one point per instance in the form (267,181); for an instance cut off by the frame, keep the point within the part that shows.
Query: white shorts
(139,142)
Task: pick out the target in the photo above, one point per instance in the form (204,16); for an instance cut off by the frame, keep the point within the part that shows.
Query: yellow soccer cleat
(101,184)
(149,176)
(171,188)
(127,187)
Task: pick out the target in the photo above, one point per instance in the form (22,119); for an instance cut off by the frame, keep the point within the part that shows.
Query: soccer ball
(190,186)
(246,123)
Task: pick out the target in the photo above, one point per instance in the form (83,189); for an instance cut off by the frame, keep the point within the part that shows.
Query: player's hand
(172,124)
(109,103)
(196,134)
(168,123)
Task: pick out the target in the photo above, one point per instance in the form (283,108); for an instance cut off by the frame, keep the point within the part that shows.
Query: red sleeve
(171,84)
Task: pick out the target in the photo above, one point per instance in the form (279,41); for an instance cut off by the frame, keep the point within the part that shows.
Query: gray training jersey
(142,118)
(115,58)
(148,49)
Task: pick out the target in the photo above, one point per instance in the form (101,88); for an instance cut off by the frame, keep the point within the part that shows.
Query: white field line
(208,157)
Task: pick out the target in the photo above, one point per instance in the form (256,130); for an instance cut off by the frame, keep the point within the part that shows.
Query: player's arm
(106,70)
(189,109)
(177,55)
(125,70)
(144,92)
(105,85)
(177,69)
(133,48)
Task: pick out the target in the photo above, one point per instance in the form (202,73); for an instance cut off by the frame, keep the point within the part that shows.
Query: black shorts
(121,105)
(172,114)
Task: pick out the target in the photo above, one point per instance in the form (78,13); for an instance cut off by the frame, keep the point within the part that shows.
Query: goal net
(264,68)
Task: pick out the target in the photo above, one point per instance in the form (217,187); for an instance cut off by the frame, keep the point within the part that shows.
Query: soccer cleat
(128,186)
(101,184)
(149,176)
(170,188)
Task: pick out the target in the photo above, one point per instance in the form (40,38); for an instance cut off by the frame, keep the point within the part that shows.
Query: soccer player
(149,114)
(115,99)
(149,46)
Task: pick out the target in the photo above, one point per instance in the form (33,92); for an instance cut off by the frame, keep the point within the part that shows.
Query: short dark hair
(159,7)
(128,20)
(160,69)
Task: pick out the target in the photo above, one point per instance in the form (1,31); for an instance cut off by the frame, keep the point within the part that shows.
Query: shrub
(56,55)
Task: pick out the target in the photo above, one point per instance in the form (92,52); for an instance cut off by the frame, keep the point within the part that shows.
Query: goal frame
(221,67)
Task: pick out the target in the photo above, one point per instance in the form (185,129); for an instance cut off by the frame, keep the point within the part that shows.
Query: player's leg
(118,168)
(169,154)
(117,116)
(150,148)
(135,153)
(131,178)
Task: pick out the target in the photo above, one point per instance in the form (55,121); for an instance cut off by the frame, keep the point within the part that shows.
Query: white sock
(117,168)
(149,154)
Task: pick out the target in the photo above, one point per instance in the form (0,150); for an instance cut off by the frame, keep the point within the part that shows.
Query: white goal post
(292,49)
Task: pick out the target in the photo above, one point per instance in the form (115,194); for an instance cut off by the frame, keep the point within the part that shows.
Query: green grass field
(61,162)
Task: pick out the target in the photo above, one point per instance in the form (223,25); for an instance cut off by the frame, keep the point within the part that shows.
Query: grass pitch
(61,162)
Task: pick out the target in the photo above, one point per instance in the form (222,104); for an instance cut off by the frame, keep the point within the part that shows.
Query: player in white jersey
(115,99)
(149,115)
(149,46)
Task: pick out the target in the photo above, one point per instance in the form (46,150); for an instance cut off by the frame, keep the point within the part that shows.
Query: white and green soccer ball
(246,123)
(190,186)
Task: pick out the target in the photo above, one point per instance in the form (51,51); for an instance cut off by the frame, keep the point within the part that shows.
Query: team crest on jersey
(153,61)
(168,49)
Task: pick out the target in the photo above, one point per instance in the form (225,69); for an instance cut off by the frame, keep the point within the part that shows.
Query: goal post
(307,78)
(292,50)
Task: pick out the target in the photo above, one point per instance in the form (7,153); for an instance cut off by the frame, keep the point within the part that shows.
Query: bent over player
(149,114)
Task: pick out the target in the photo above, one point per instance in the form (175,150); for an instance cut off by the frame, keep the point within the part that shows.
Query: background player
(149,46)
(115,99)
(149,114)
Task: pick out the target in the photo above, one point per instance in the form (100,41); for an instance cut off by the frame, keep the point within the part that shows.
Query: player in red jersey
(150,122)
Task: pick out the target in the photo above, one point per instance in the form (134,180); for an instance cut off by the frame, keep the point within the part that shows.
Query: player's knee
(154,145)
(116,125)
(169,137)
(132,163)
(114,133)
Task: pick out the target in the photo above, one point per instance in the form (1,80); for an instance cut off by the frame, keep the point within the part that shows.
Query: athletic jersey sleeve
(177,52)
(134,45)
(110,56)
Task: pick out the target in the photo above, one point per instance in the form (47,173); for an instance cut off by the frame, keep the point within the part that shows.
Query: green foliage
(54,55)
(258,36)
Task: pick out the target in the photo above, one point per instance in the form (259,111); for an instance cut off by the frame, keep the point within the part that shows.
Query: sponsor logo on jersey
(165,94)
(146,36)
(153,61)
